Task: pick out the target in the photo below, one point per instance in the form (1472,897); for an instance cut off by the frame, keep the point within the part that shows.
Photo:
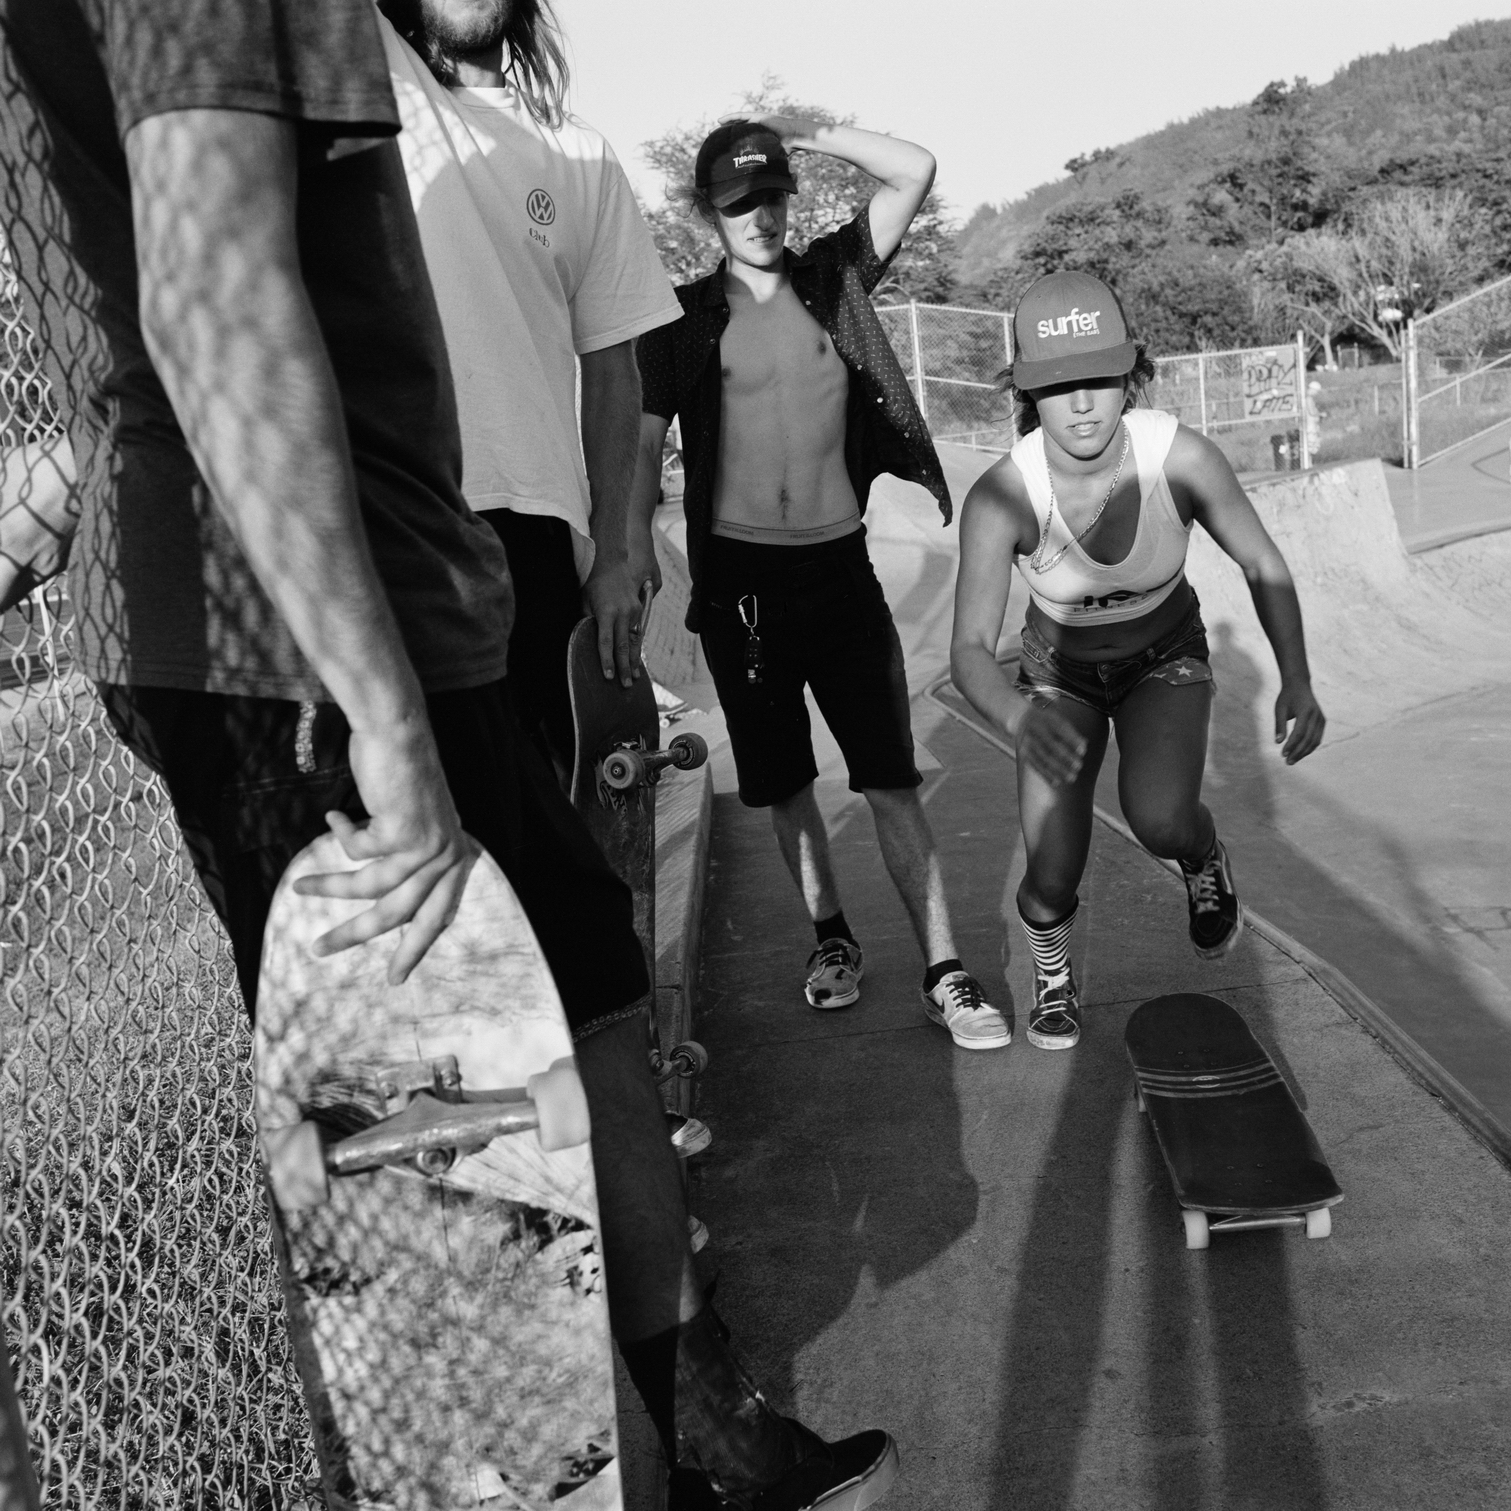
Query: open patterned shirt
(680,374)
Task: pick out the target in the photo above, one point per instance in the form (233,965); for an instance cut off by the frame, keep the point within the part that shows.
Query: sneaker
(1055,1020)
(1216,913)
(959,1004)
(845,1476)
(834,972)
(689,1136)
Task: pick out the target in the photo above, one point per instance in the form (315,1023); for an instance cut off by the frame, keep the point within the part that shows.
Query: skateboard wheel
(294,1158)
(688,752)
(561,1104)
(1319,1224)
(1198,1236)
(688,1059)
(623,769)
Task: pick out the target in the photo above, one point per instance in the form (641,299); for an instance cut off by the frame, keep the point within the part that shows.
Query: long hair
(1026,411)
(537,54)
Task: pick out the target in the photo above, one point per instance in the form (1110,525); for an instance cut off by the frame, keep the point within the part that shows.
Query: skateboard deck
(618,764)
(434,1210)
(1239,1150)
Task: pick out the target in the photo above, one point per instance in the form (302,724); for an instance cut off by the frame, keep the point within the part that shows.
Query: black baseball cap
(737,159)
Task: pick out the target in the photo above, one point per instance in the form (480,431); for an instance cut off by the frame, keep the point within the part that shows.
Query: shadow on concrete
(843,1129)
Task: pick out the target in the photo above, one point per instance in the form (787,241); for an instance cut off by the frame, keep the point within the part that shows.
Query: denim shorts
(1179,658)
(823,623)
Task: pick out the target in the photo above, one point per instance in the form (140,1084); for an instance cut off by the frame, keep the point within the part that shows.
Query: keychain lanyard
(754,661)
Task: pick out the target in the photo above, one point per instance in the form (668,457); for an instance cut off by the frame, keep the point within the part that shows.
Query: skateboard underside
(450,1328)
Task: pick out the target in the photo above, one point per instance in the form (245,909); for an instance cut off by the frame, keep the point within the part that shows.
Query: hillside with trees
(1339,208)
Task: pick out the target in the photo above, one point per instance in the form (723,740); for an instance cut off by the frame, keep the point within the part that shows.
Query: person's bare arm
(905,169)
(989,535)
(1218,503)
(646,489)
(231,331)
(624,557)
(38,515)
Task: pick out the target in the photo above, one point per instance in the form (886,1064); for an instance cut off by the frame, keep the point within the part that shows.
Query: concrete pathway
(982,1252)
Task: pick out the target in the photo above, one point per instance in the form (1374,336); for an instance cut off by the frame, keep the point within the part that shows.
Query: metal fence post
(923,398)
(1201,387)
(1007,346)
(1411,435)
(1301,414)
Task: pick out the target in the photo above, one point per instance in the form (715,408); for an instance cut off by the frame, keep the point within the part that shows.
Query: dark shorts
(1179,658)
(251,780)
(547,606)
(823,622)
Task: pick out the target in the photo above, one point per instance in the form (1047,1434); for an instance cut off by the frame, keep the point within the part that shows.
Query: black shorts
(251,780)
(822,622)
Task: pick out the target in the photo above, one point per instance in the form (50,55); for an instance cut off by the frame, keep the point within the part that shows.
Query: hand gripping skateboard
(1239,1150)
(434,1210)
(614,779)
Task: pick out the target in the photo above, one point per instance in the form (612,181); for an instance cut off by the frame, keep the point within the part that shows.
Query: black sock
(834,928)
(936,973)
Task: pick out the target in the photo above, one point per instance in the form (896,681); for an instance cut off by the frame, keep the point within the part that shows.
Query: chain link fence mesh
(1462,378)
(141,1302)
(961,354)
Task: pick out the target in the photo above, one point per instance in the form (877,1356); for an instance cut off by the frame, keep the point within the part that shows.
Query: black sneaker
(1216,913)
(845,1476)
(1054,1021)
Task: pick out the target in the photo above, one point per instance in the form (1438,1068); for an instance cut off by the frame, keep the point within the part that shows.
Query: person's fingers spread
(356,839)
(428,924)
(376,879)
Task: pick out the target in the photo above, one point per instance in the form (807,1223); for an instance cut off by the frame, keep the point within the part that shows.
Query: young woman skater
(1095,504)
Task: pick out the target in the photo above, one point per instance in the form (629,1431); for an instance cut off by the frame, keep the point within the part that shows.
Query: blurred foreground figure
(289,610)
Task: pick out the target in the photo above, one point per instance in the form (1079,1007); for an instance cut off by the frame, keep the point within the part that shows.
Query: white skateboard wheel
(1198,1235)
(561,1105)
(1319,1224)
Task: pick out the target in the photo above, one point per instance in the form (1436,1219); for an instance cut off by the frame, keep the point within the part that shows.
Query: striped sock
(1050,942)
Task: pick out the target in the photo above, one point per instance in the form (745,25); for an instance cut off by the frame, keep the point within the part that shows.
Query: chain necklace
(1036,561)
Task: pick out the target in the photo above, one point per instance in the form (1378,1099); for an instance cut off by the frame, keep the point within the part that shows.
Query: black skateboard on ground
(1239,1149)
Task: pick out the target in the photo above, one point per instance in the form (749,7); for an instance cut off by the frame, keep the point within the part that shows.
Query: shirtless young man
(792,403)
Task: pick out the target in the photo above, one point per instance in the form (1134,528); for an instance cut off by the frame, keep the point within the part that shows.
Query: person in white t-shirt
(541,262)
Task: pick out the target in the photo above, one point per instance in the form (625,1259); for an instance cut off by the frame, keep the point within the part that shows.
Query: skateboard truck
(630,766)
(430,1123)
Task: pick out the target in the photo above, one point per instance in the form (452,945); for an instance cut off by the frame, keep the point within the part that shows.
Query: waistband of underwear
(763,535)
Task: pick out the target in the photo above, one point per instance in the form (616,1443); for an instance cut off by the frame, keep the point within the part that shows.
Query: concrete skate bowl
(1384,852)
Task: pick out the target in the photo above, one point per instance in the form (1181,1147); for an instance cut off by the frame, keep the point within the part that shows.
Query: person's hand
(417,856)
(789,128)
(612,596)
(1297,707)
(1051,745)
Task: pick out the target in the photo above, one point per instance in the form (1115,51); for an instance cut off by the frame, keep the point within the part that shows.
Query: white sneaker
(834,972)
(959,1004)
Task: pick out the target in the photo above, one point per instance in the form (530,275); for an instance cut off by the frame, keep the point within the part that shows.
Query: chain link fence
(140,1299)
(1252,401)
(954,359)
(1457,373)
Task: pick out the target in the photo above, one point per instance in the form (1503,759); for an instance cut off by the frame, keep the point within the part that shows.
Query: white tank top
(1080,590)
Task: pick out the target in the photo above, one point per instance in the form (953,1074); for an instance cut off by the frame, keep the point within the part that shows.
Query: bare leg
(804,843)
(1162,744)
(907,847)
(642,1213)
(1057,822)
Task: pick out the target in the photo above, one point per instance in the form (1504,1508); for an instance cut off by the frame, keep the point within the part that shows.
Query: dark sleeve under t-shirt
(162,595)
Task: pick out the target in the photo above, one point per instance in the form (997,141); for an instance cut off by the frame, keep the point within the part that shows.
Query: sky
(1002,94)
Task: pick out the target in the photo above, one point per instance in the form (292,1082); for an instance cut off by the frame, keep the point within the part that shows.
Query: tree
(1275,186)
(1108,238)
(830,192)
(1188,303)
(1401,253)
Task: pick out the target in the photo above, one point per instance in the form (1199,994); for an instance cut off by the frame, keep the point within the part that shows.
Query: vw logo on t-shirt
(541,207)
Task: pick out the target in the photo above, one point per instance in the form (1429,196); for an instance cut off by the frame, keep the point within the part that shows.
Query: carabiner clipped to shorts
(755,662)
